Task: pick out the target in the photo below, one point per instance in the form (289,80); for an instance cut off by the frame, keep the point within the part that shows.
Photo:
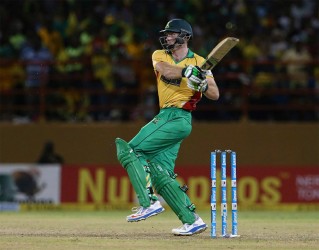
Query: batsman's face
(171,37)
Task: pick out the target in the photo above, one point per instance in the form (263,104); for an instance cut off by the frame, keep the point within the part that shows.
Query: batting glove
(201,87)
(195,74)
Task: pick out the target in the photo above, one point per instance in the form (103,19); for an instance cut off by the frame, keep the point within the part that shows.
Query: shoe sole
(190,234)
(156,212)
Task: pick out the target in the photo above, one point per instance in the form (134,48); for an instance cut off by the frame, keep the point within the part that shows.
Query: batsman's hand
(194,74)
(201,87)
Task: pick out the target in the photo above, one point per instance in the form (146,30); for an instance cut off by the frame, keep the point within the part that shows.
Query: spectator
(37,61)
(12,77)
(296,59)
(48,154)
(103,83)
(51,38)
(71,65)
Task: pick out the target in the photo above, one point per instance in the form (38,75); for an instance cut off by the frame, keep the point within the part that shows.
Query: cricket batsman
(149,158)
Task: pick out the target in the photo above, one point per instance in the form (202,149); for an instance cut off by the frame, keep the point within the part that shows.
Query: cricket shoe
(142,213)
(189,229)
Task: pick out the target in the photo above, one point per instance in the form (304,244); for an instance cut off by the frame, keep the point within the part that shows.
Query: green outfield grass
(109,230)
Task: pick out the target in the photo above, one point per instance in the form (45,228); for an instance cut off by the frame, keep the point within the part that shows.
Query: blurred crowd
(88,60)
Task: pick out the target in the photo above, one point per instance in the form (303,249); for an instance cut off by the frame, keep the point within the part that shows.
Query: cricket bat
(221,49)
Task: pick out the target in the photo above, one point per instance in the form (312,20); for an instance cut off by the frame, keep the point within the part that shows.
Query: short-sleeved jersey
(174,92)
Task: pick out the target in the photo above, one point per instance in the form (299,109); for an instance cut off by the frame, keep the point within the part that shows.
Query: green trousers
(156,146)
(159,140)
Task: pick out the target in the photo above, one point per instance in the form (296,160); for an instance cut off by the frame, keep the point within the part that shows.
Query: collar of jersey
(190,54)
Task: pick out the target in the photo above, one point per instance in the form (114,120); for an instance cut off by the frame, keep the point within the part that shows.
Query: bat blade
(220,50)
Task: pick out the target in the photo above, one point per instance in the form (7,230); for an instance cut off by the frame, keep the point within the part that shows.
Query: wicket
(213,201)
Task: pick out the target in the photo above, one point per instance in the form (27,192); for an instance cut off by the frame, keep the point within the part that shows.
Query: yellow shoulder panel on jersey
(159,56)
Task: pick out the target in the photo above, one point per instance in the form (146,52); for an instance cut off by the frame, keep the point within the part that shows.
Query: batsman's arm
(212,91)
(193,73)
(168,70)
